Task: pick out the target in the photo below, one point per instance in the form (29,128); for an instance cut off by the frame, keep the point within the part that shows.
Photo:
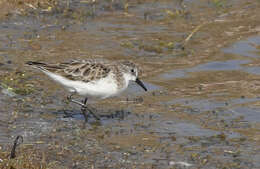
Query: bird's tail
(37,65)
(32,63)
(44,66)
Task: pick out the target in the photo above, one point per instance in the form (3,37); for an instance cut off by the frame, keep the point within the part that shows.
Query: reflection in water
(184,129)
(232,108)
(241,48)
(249,114)
(244,47)
(210,66)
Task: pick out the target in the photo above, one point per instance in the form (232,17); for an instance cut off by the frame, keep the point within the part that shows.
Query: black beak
(140,83)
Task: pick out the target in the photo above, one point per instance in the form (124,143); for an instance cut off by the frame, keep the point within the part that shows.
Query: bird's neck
(127,78)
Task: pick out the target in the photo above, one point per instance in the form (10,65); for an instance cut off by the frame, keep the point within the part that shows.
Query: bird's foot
(84,108)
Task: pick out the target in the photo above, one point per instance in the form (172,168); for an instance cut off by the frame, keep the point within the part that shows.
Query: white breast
(103,88)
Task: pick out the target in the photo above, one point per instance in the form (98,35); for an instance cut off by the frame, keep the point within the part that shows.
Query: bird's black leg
(83,110)
(85,101)
(83,107)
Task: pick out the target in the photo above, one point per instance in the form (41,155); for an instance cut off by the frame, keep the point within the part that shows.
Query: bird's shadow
(110,114)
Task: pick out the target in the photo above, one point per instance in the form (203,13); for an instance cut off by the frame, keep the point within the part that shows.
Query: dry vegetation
(10,7)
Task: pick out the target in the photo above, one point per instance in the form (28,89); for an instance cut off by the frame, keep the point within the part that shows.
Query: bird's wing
(82,70)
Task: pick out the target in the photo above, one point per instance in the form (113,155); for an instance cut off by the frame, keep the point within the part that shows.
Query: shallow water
(210,66)
(245,47)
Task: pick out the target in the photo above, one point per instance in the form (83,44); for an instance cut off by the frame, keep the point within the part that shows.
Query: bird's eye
(132,70)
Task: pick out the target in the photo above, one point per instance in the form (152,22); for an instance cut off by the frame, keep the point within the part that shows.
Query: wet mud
(200,62)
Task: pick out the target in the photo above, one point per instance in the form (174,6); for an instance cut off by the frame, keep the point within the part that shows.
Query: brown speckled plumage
(89,70)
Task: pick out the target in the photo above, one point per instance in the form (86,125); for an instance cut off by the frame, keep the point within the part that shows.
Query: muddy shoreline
(202,108)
